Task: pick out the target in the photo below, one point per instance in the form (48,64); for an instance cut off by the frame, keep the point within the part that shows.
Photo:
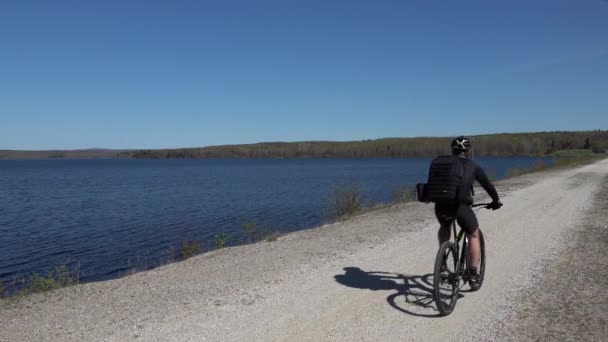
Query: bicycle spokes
(447,278)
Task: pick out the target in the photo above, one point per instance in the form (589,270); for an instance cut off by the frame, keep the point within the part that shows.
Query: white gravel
(296,289)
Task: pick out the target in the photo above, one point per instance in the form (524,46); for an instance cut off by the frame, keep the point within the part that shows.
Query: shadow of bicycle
(414,293)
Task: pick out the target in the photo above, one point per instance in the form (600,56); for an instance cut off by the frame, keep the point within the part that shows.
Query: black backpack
(445,178)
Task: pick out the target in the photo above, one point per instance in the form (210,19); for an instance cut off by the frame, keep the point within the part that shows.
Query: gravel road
(365,279)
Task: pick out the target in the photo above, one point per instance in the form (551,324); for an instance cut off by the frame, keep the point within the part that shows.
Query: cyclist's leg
(468,221)
(445,216)
(444,233)
(474,250)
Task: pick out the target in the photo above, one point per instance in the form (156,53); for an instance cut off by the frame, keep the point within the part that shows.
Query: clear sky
(154,74)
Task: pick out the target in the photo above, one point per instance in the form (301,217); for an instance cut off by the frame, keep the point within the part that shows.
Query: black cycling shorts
(462,212)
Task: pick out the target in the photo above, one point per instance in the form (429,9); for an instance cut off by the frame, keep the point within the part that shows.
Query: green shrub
(345,200)
(60,276)
(221,239)
(190,249)
(65,277)
(257,233)
(38,283)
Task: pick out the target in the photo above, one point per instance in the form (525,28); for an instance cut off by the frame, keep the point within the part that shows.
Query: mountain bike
(451,268)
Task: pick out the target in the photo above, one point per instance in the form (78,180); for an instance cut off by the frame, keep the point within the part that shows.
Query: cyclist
(461,208)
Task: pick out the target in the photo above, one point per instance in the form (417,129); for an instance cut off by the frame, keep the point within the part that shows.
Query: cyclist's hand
(495,205)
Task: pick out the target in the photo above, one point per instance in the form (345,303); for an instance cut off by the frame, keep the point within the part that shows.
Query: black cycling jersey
(461,210)
(473,172)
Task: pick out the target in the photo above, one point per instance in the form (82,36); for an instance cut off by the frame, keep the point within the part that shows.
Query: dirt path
(570,301)
(366,279)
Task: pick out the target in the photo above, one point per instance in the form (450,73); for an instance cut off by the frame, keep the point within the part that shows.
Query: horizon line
(285,142)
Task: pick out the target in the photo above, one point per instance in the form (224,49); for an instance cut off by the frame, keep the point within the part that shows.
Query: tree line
(505,144)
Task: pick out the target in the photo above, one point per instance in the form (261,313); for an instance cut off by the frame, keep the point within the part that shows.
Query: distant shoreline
(495,145)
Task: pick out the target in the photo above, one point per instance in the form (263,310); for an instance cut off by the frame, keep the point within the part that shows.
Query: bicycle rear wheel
(482,263)
(445,278)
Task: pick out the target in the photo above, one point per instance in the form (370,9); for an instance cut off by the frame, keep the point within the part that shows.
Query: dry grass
(344,201)
(59,277)
(190,248)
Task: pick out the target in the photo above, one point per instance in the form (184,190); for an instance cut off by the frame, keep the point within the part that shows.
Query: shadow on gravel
(413,296)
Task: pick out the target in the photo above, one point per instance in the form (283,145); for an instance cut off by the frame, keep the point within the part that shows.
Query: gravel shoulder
(569,301)
(364,279)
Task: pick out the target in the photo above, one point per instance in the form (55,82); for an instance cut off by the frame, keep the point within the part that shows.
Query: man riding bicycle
(460,209)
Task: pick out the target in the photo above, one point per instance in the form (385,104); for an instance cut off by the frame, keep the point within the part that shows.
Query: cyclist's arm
(485,183)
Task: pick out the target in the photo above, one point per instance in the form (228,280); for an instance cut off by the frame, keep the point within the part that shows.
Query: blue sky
(154,74)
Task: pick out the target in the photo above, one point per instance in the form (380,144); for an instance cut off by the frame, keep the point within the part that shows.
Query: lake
(110,216)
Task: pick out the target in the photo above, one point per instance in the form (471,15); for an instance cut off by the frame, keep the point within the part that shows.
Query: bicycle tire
(482,263)
(446,282)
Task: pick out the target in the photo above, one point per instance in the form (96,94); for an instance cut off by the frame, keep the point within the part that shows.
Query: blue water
(109,215)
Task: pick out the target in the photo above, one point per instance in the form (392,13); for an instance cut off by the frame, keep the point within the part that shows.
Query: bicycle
(452,278)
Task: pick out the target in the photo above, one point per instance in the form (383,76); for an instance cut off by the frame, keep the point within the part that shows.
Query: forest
(504,144)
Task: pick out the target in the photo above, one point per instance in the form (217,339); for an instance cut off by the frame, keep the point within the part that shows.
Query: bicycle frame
(453,279)
(458,236)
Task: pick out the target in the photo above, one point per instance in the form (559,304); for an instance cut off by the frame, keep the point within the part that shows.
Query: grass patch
(344,201)
(59,277)
(256,233)
(272,236)
(221,240)
(573,153)
(579,160)
(566,158)
(575,157)
(190,249)
(63,276)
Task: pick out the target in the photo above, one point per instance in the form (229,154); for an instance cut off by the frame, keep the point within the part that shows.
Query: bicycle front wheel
(445,278)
